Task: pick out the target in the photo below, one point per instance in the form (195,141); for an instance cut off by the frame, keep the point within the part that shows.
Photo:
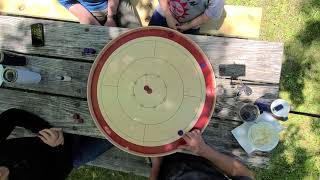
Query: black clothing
(30,158)
(188,167)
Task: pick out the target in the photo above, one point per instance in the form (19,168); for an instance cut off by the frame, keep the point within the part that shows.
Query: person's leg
(86,149)
(101,16)
(126,16)
(192,31)
(11,118)
(84,16)
(158,20)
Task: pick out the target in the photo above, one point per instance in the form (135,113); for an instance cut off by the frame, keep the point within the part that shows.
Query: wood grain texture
(240,21)
(59,112)
(227,103)
(51,9)
(50,69)
(67,40)
(118,160)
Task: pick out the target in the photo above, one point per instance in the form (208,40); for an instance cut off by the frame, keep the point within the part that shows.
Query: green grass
(297,24)
(96,173)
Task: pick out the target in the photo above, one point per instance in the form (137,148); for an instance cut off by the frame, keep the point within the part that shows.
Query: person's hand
(110,22)
(184,27)
(195,143)
(172,22)
(53,136)
(4,173)
(156,161)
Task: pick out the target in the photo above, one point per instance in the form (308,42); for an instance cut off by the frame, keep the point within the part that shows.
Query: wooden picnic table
(59,101)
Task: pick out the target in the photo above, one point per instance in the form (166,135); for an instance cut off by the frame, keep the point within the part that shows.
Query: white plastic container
(20,76)
(283,113)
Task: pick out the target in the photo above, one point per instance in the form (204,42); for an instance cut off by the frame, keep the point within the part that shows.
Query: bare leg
(84,16)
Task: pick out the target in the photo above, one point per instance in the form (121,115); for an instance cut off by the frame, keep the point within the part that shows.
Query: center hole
(147,89)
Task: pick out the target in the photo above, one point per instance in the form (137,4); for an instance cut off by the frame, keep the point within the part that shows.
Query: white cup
(20,76)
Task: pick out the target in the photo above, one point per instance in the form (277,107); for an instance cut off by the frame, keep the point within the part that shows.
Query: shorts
(126,16)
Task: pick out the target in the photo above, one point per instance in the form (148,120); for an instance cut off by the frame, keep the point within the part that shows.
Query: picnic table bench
(60,101)
(236,21)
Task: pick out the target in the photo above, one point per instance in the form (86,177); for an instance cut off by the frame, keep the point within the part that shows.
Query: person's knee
(157,20)
(11,111)
(127,17)
(9,114)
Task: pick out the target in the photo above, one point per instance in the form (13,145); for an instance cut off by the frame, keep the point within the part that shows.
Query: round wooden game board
(149,86)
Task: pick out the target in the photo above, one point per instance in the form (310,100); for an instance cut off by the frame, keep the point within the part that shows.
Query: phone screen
(37,34)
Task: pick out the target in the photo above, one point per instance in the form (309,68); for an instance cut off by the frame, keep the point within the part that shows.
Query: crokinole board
(149,86)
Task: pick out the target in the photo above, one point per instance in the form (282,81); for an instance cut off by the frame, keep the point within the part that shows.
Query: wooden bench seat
(237,21)
(50,9)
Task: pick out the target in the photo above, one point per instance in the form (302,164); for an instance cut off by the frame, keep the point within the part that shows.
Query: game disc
(148,87)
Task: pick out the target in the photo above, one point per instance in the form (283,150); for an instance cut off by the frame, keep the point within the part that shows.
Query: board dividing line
(42,93)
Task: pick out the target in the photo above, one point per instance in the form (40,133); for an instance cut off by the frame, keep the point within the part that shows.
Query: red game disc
(149,86)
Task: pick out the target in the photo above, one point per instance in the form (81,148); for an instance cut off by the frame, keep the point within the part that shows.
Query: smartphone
(37,35)
(232,70)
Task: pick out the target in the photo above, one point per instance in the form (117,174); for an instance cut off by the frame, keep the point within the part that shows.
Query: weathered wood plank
(59,112)
(44,9)
(50,68)
(226,107)
(118,160)
(67,40)
(237,21)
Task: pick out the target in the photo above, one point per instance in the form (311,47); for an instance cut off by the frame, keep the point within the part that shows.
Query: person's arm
(155,169)
(196,22)
(84,16)
(227,164)
(112,7)
(171,21)
(112,11)
(4,173)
